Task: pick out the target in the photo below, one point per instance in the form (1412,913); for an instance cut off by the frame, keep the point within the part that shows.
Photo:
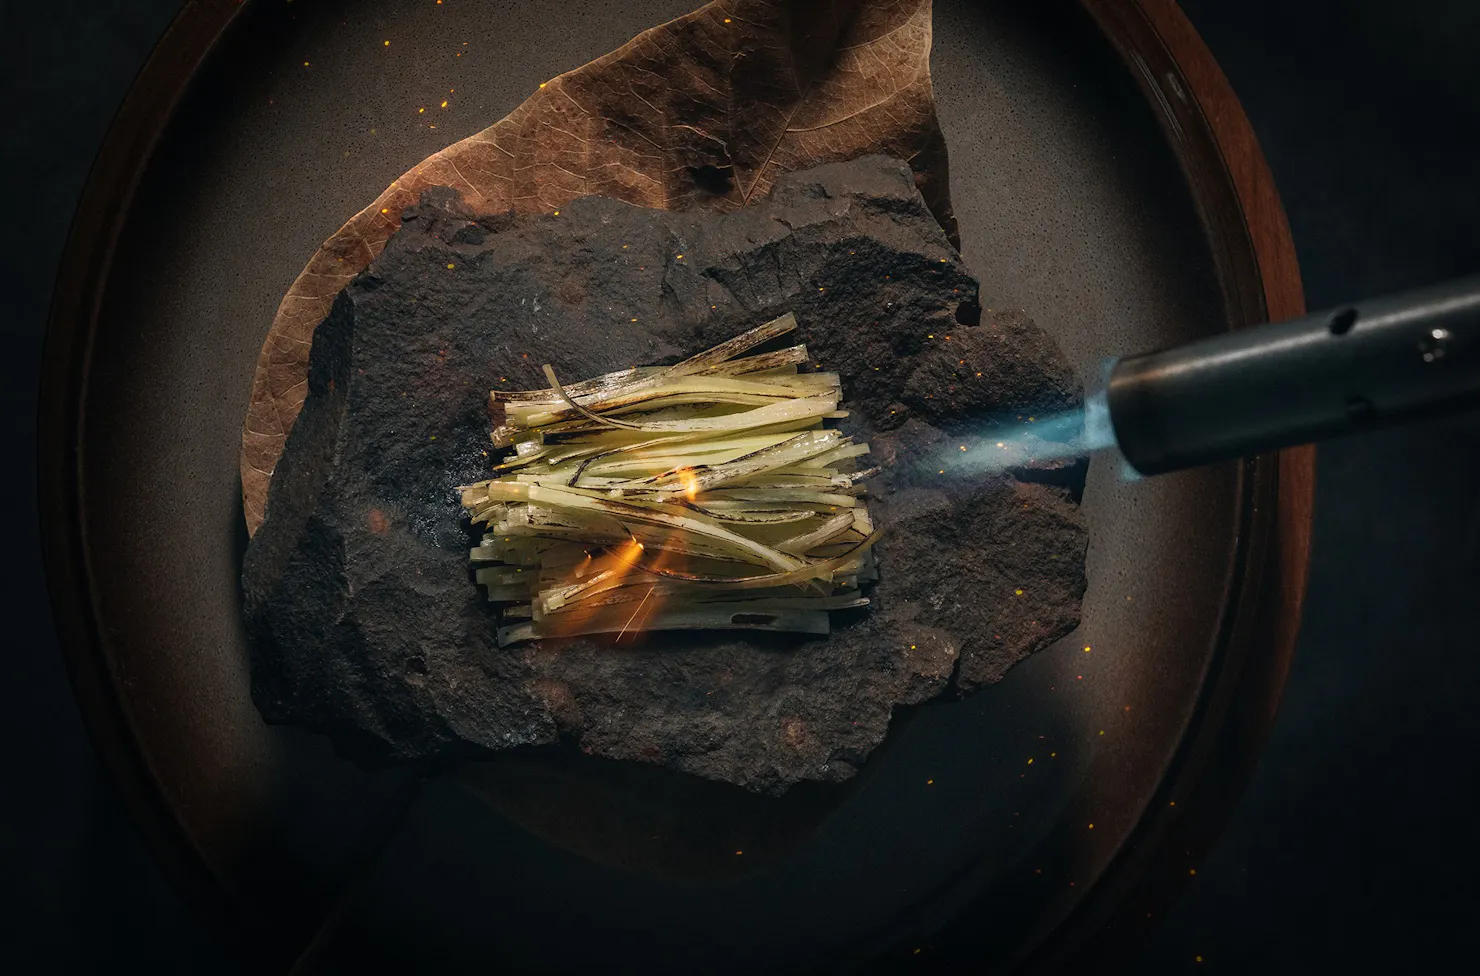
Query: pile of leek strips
(708,495)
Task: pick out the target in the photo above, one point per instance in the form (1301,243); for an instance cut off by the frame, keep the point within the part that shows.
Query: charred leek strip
(707,495)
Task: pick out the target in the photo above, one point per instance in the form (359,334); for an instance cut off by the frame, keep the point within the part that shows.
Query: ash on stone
(364,619)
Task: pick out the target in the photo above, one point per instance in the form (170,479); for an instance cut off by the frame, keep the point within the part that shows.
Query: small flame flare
(690,482)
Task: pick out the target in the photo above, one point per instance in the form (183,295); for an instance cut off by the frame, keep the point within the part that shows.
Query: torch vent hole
(1343,320)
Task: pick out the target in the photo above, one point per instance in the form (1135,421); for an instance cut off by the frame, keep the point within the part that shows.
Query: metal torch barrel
(1383,361)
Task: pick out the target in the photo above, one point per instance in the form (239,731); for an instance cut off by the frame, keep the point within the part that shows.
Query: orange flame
(660,558)
(631,563)
(690,482)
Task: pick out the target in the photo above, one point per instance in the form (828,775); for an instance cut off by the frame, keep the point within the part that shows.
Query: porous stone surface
(364,619)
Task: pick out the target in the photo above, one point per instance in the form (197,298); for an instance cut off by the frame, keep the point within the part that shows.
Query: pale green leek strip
(638,591)
(849,450)
(731,348)
(800,545)
(721,352)
(803,446)
(566,435)
(664,402)
(710,361)
(787,494)
(815,481)
(638,463)
(662,452)
(793,409)
(596,531)
(552,600)
(760,363)
(570,556)
(508,575)
(636,586)
(755,518)
(617,380)
(508,593)
(515,463)
(691,474)
(596,538)
(612,580)
(786,621)
(575,499)
(658,395)
(676,448)
(822,569)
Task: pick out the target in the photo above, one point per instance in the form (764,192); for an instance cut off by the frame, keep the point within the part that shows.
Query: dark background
(1354,846)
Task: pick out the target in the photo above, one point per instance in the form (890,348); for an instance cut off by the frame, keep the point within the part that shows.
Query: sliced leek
(708,495)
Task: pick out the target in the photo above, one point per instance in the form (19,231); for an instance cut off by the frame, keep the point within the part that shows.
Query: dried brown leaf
(702,112)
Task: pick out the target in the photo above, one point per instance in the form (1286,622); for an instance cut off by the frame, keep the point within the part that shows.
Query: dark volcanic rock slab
(366,624)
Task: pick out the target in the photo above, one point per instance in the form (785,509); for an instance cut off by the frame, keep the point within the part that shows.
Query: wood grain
(1258,272)
(1279,277)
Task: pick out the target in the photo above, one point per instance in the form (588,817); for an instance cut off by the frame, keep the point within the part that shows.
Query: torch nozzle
(1384,361)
